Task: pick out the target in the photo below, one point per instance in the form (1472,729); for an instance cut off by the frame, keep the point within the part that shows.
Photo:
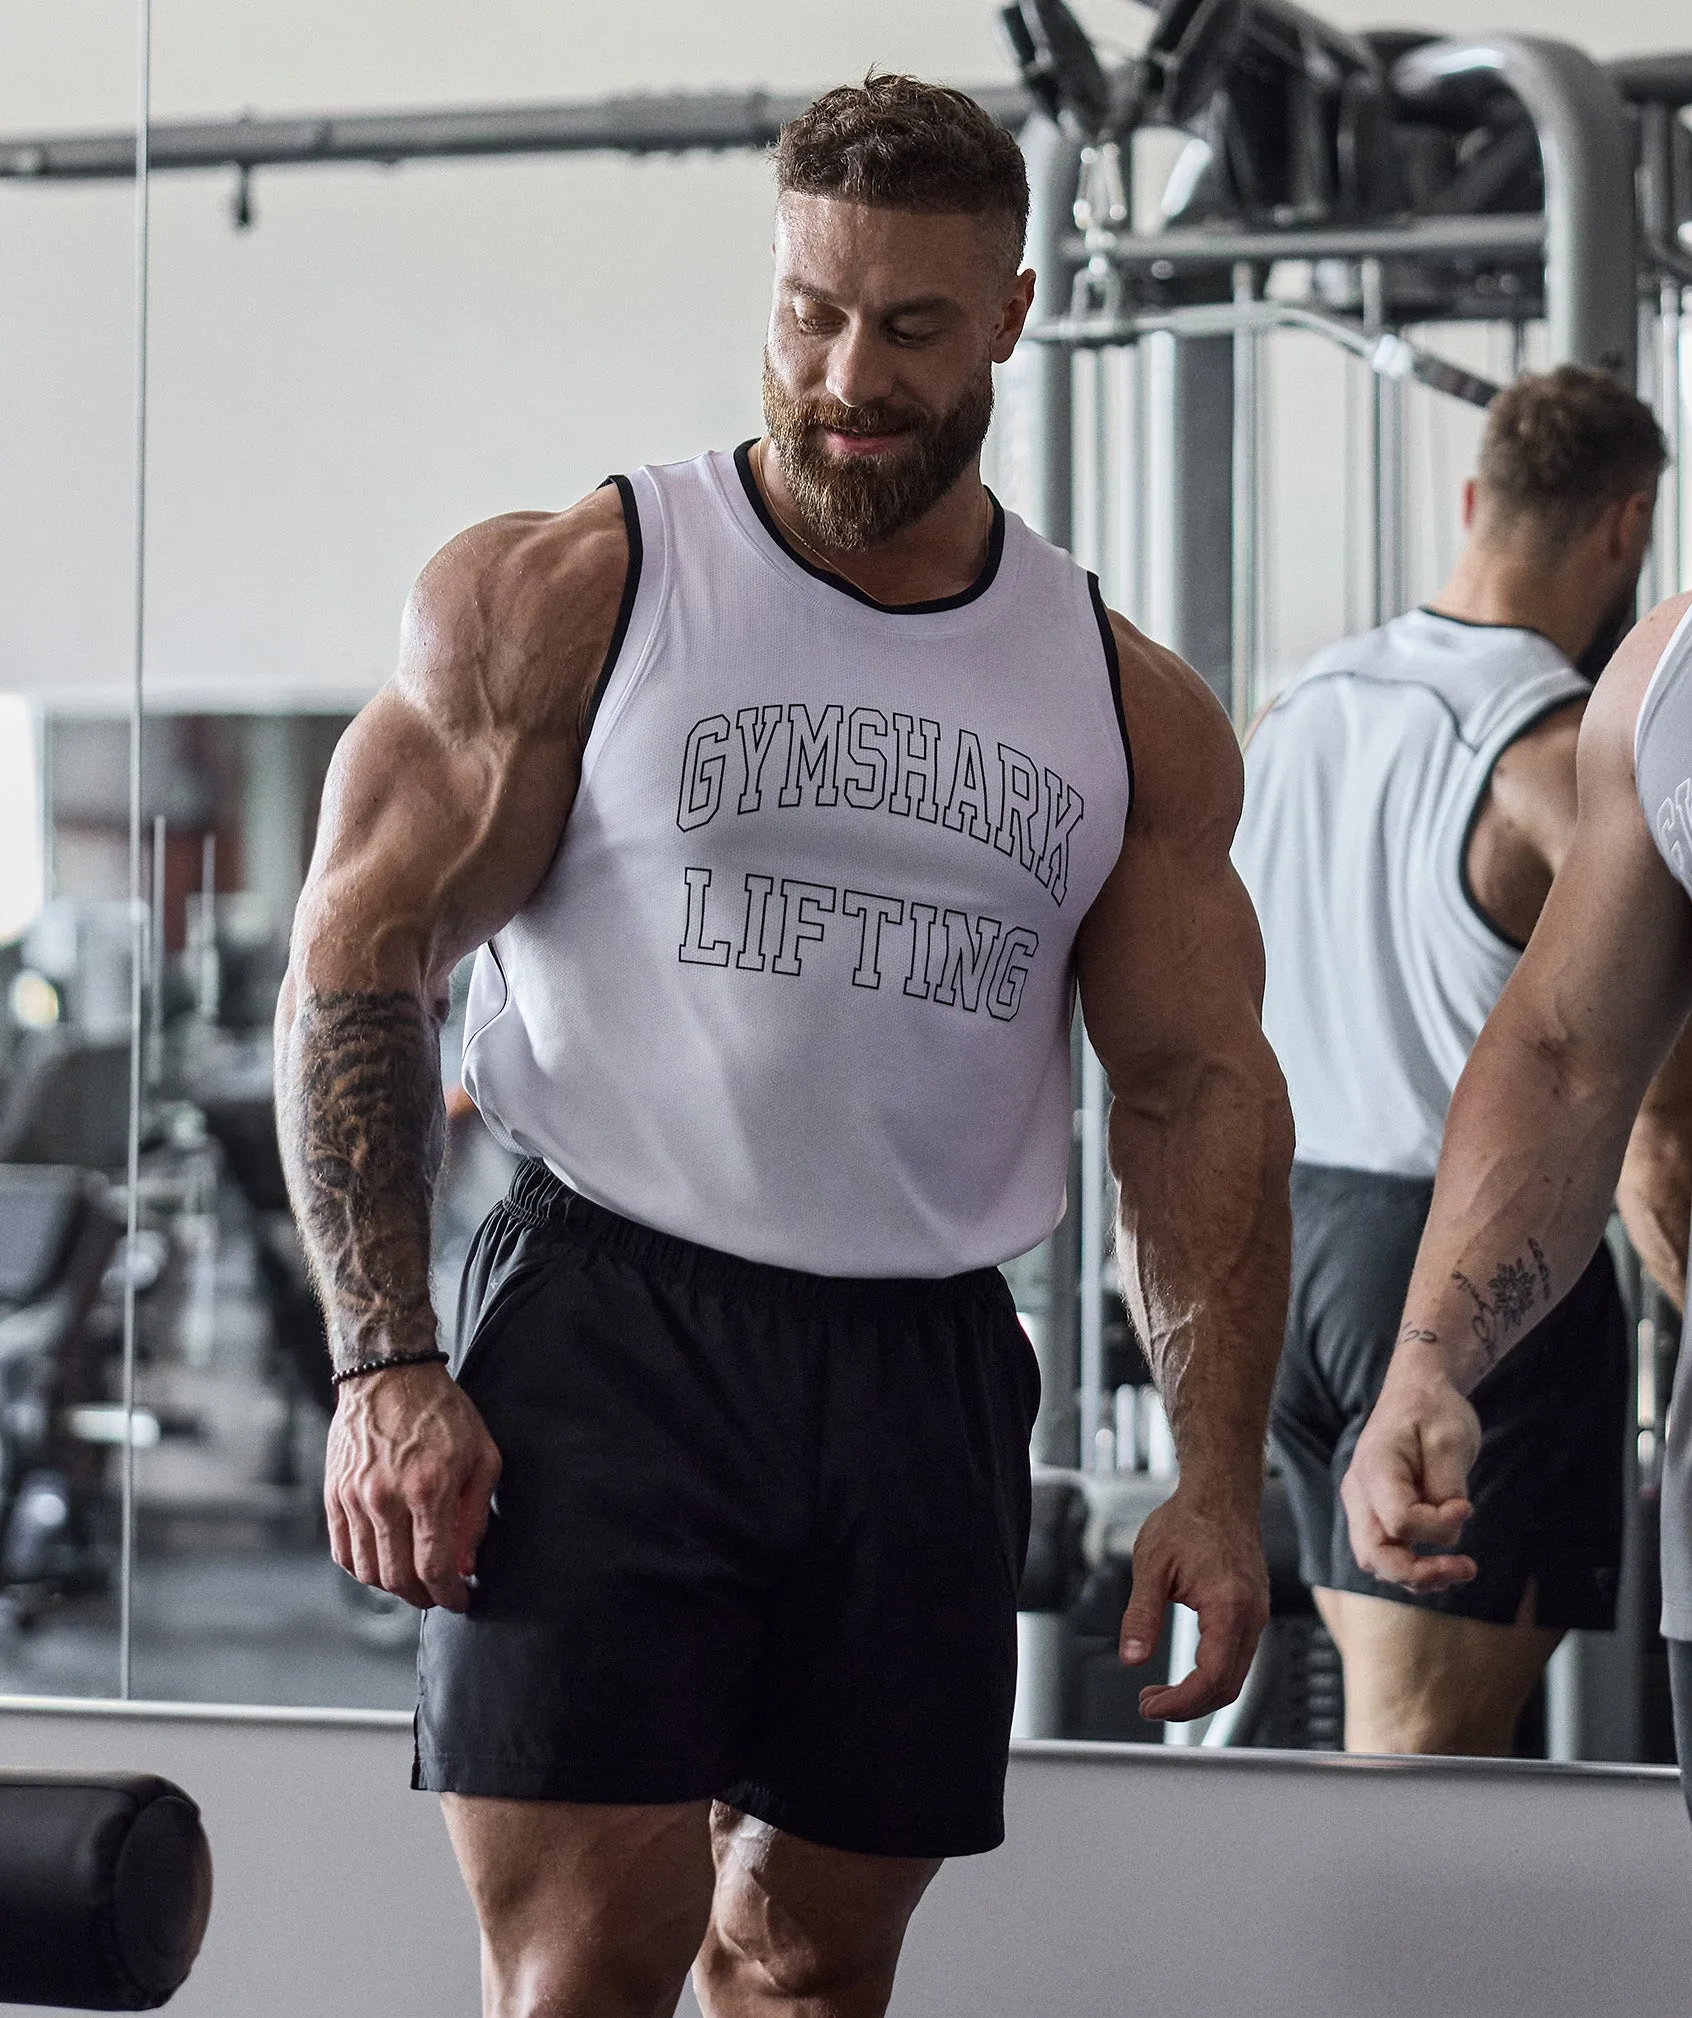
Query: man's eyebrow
(921,304)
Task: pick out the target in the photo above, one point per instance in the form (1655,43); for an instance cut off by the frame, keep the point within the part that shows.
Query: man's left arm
(1171,973)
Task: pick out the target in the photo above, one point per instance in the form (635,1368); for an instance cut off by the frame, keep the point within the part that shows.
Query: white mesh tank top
(1363,783)
(798,984)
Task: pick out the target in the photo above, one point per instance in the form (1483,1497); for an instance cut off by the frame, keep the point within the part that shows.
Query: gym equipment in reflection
(105,1890)
(1377,199)
(56,1239)
(233,1395)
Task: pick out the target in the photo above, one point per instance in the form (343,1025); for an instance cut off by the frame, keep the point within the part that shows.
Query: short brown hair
(900,144)
(1561,445)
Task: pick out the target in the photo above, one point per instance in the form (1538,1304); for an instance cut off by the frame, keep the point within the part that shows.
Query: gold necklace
(822,560)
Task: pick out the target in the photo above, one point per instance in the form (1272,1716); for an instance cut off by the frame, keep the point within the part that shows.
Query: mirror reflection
(233,1597)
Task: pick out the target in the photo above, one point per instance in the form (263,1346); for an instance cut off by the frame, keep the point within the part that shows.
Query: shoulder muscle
(1189,777)
(1606,743)
(508,626)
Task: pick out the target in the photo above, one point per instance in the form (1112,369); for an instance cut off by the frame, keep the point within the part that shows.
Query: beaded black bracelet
(433,1357)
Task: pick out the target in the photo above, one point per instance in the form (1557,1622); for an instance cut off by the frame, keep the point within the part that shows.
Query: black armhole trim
(1113,670)
(625,608)
(1473,821)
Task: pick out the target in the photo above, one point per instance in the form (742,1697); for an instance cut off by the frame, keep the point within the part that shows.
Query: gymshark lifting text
(947,956)
(1022,808)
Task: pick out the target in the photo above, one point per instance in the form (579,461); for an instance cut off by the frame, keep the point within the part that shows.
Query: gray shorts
(1547,1486)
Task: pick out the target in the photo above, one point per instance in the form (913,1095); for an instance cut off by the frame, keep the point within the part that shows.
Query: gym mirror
(346,366)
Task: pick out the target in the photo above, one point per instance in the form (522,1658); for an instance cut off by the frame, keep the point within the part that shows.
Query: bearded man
(788,796)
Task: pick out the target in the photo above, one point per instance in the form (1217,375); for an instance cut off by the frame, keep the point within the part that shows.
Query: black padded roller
(105,1889)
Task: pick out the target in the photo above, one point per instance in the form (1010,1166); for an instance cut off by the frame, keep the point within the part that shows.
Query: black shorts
(757,1537)
(1547,1487)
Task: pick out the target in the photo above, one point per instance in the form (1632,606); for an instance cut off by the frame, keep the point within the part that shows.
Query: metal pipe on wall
(1095,1184)
(1246,572)
(1659,222)
(1163,254)
(1038,420)
(1386,463)
(1586,148)
(1038,375)
(640,123)
(1671,413)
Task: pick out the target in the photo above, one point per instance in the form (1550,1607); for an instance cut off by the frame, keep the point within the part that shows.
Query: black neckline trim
(1475,624)
(625,607)
(766,518)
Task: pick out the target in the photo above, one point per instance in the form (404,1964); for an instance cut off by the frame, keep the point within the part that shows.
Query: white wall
(1137,1882)
(389,356)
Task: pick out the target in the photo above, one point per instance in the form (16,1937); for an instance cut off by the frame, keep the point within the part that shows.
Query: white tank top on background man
(798,984)
(1363,783)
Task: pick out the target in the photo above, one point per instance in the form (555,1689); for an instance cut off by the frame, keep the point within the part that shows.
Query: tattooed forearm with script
(362,1125)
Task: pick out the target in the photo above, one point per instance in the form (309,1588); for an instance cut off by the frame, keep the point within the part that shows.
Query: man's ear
(1013,316)
(1468,506)
(1630,524)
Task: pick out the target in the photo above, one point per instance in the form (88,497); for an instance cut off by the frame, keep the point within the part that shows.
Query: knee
(1430,1719)
(593,1961)
(756,1943)
(583,1976)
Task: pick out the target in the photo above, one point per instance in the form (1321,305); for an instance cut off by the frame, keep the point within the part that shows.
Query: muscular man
(1534,1148)
(788,795)
(1408,800)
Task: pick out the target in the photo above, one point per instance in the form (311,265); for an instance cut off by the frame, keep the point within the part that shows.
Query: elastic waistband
(1336,1181)
(542,1200)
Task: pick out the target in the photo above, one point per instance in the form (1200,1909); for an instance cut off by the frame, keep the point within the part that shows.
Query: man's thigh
(587,1908)
(1424,1681)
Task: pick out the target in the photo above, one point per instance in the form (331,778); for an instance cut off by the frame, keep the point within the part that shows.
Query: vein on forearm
(1204,1249)
(363,1124)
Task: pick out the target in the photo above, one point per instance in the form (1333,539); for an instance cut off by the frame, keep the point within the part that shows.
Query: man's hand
(410,1473)
(1210,1560)
(1407,1485)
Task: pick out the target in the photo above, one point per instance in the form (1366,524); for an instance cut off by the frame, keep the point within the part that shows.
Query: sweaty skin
(1534,1145)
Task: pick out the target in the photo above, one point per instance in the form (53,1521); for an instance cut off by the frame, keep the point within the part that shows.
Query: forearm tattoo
(363,1125)
(1513,1293)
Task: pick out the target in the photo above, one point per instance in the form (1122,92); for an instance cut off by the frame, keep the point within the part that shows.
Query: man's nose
(860,369)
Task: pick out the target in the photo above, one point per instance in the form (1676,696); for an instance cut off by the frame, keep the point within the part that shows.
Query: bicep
(1170,958)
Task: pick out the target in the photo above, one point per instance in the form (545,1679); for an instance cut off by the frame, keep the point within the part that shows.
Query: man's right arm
(442,811)
(1533,1144)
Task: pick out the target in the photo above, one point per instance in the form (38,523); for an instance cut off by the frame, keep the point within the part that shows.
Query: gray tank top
(1662,771)
(1662,754)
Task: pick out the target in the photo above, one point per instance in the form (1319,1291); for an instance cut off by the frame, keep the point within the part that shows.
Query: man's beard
(853,502)
(1613,626)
